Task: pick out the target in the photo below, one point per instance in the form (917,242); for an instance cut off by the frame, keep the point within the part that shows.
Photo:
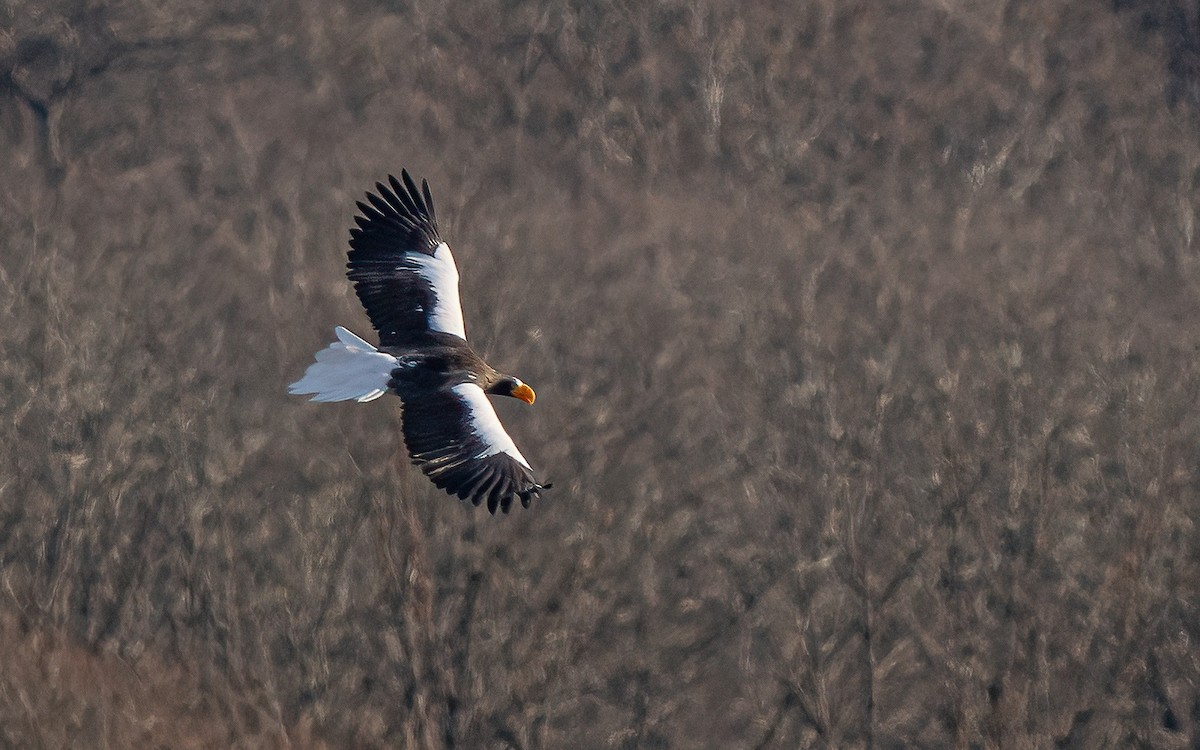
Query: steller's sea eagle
(405,276)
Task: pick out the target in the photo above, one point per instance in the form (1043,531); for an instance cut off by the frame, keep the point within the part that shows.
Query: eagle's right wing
(454,435)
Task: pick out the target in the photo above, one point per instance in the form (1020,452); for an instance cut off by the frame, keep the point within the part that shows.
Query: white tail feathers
(349,369)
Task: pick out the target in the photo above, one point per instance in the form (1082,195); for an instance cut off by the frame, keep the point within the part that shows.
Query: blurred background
(864,334)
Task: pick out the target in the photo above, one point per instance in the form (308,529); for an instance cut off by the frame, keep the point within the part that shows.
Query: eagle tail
(349,369)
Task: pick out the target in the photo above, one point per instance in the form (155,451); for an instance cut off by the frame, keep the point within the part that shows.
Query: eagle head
(506,385)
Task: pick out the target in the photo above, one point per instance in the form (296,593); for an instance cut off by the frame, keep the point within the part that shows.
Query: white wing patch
(486,425)
(349,369)
(440,272)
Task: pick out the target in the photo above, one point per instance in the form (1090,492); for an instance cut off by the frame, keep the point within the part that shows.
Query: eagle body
(407,280)
(440,364)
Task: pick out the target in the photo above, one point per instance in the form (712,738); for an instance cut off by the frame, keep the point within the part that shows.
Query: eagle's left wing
(403,272)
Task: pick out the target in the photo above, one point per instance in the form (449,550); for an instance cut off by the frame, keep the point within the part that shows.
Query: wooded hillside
(865,337)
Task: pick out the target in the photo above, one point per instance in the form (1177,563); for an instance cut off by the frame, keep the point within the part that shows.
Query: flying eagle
(405,276)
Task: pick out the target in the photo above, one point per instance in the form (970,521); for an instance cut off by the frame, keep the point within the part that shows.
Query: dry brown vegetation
(865,336)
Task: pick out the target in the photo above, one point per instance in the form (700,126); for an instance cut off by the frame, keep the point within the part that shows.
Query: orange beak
(525,393)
